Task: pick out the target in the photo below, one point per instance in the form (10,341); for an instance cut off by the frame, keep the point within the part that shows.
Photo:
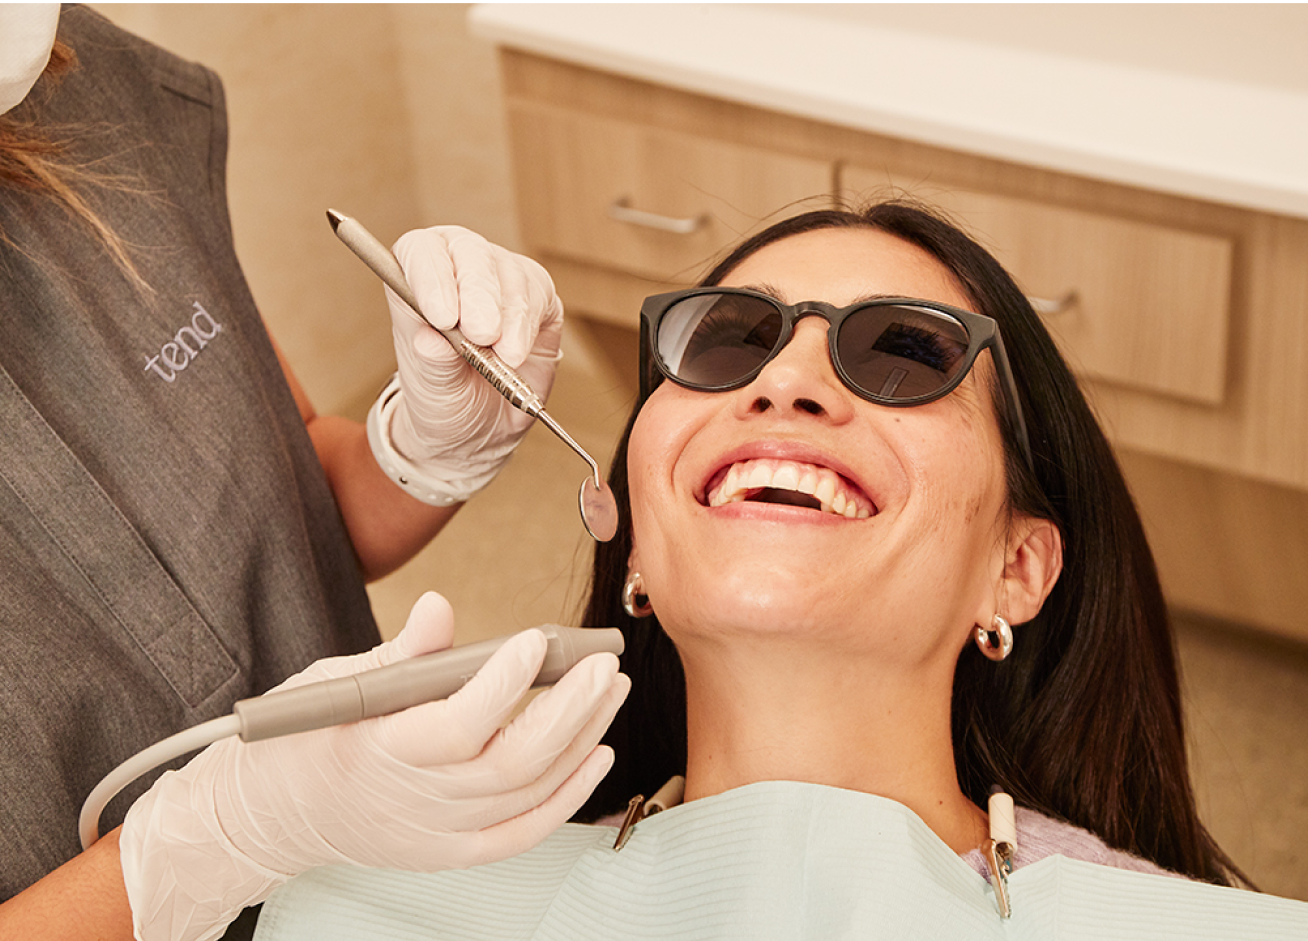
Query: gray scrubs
(168,541)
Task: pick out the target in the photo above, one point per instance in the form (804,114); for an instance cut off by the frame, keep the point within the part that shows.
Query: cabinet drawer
(643,200)
(1141,305)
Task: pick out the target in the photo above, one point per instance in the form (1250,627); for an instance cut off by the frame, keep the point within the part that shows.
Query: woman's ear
(1033,562)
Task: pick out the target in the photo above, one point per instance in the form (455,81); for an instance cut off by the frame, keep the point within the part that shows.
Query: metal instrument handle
(481,358)
(507,382)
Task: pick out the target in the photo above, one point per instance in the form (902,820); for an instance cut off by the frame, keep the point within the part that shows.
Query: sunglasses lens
(712,340)
(901,352)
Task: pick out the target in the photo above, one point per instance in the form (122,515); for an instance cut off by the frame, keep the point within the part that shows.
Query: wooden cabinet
(651,203)
(1187,321)
(621,197)
(1139,304)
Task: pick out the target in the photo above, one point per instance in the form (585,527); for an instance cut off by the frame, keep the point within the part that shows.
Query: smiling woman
(852,611)
(787,642)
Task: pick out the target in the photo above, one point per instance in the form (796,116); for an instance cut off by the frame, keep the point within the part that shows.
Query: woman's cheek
(643,471)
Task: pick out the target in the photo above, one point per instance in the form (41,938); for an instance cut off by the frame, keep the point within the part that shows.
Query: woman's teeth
(756,479)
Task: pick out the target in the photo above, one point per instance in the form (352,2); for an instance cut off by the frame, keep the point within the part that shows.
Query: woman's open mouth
(790,483)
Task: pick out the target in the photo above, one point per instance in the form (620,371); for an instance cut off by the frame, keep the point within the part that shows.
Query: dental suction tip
(335,218)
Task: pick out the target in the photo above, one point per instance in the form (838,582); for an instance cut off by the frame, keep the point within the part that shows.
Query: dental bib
(775,860)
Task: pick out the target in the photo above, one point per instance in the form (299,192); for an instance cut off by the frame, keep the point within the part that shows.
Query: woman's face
(916,561)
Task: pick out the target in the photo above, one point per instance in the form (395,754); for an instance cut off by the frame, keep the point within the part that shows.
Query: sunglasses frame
(982,333)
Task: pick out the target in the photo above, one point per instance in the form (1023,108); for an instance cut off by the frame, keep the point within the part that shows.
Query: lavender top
(1039,836)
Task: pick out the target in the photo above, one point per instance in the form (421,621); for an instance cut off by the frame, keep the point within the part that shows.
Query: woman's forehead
(840,266)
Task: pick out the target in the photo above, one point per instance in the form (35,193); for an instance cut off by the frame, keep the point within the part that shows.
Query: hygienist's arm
(386,525)
(83,899)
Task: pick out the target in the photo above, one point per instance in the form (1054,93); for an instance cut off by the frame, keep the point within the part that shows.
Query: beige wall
(389,113)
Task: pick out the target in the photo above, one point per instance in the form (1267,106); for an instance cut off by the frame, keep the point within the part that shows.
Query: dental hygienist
(180,530)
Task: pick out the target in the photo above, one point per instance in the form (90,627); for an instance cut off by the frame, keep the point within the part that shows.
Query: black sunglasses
(895,351)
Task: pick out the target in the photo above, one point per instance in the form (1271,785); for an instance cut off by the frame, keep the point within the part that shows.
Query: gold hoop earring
(634,600)
(997,642)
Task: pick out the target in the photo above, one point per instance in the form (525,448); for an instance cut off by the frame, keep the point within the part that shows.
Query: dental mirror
(599,509)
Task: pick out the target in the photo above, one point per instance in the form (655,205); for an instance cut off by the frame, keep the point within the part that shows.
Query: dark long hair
(1083,721)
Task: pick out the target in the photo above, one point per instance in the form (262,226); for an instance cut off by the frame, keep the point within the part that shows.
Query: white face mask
(27,34)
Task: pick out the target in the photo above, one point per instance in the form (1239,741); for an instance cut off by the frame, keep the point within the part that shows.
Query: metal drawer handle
(1048,307)
(621,211)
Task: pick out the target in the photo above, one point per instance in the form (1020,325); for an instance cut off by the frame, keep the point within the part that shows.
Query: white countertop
(1231,142)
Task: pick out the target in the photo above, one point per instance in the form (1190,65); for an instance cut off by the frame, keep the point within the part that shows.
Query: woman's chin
(775,603)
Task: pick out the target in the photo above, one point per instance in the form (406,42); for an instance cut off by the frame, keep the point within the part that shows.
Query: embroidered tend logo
(177,353)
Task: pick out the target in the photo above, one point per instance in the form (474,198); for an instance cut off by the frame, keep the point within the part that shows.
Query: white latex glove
(450,422)
(437,786)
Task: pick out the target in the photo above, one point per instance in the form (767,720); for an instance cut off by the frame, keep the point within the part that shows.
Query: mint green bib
(775,860)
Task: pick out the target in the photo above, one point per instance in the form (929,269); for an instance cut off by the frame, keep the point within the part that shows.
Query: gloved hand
(437,786)
(450,422)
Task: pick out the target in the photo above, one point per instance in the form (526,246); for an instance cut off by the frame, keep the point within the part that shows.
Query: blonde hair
(32,159)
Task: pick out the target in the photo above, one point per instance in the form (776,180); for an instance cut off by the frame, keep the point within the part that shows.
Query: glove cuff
(185,879)
(417,483)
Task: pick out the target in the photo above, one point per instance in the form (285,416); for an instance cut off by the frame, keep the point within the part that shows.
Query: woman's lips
(794,483)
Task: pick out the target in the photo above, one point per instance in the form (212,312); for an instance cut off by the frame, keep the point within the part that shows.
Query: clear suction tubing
(599,508)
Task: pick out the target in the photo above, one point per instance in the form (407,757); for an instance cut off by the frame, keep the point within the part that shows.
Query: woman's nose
(800,380)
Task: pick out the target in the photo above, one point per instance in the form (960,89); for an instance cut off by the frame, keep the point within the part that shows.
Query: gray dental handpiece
(318,705)
(391,688)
